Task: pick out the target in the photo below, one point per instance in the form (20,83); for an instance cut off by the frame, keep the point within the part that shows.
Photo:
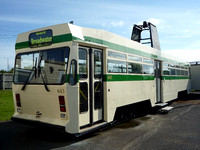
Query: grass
(6,105)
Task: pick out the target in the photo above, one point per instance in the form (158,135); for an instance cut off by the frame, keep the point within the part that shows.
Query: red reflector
(17,97)
(62,103)
(62,109)
(61,100)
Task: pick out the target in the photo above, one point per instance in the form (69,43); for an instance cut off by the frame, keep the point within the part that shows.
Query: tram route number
(60,91)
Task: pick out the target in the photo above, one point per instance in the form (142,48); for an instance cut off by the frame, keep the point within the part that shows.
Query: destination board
(41,38)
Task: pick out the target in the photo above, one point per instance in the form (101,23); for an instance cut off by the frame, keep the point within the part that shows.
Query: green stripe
(119,47)
(109,77)
(69,37)
(129,50)
(21,45)
(174,77)
(67,78)
(56,39)
(62,38)
(112,77)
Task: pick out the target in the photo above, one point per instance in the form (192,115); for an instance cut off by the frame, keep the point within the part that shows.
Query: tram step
(161,105)
(92,128)
(166,109)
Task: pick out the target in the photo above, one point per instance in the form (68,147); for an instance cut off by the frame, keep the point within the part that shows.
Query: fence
(6,81)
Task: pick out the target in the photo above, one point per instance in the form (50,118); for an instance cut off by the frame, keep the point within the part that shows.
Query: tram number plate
(60,91)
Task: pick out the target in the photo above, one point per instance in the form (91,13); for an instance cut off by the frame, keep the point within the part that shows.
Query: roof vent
(71,22)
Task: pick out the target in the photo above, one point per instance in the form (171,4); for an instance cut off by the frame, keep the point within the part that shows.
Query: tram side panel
(171,88)
(124,93)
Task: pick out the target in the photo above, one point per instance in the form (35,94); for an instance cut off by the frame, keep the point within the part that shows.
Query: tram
(79,79)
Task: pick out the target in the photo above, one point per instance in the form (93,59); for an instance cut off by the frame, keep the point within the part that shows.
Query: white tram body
(76,78)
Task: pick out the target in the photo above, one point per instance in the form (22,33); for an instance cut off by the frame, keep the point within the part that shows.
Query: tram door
(157,66)
(90,86)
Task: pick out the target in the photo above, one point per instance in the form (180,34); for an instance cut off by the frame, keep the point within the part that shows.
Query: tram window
(186,73)
(147,69)
(97,64)
(98,95)
(182,72)
(172,71)
(165,65)
(116,55)
(134,58)
(24,66)
(83,100)
(171,65)
(178,72)
(82,63)
(115,66)
(28,60)
(73,73)
(51,64)
(146,60)
(134,68)
(183,67)
(166,70)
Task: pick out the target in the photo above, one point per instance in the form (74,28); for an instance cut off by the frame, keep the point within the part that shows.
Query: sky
(176,21)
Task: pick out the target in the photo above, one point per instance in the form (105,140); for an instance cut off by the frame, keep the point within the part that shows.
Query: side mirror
(73,73)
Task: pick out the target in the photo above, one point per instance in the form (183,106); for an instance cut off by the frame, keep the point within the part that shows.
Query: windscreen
(48,66)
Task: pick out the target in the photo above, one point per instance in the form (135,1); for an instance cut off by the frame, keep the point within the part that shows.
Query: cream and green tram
(80,79)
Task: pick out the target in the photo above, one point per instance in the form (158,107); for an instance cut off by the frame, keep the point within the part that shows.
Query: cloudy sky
(177,21)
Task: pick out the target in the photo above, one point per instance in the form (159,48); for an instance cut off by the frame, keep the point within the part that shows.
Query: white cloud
(27,20)
(19,20)
(117,24)
(185,54)
(113,24)
(154,21)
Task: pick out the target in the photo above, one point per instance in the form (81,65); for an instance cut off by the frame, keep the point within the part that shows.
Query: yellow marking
(109,77)
(83,94)
(97,87)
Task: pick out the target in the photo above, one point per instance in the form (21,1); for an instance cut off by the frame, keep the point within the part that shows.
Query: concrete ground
(179,129)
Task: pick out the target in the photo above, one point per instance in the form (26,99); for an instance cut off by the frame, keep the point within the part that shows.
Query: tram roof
(68,32)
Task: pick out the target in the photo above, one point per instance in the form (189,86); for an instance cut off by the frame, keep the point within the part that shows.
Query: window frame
(39,52)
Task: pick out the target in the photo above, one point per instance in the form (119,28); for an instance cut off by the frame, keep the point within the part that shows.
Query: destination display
(41,38)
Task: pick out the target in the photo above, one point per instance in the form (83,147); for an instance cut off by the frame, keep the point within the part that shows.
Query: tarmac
(178,129)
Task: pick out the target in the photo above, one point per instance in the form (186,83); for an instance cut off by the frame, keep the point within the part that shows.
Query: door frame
(158,80)
(90,114)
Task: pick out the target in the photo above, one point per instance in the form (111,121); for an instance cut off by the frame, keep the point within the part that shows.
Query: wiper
(39,64)
(40,72)
(29,76)
(45,84)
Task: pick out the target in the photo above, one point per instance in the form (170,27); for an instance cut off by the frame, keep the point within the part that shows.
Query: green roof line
(69,37)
